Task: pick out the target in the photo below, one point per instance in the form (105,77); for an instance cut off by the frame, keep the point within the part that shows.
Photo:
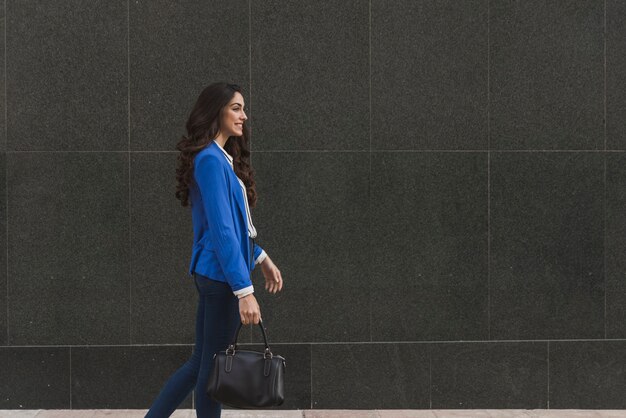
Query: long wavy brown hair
(203,126)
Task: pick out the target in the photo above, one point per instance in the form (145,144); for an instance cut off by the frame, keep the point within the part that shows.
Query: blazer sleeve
(259,254)
(213,185)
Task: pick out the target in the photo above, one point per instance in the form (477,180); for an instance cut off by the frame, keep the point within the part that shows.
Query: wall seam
(311,375)
(6,167)
(548,367)
(369,180)
(193,392)
(598,151)
(430,379)
(70,377)
(604,241)
(605,204)
(130,269)
(314,343)
(604,33)
(488,174)
(250,65)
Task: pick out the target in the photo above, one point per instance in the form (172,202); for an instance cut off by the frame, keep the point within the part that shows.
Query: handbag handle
(231,348)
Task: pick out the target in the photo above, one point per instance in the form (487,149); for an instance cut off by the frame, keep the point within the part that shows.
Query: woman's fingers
(249,310)
(274,283)
(280,281)
(251,318)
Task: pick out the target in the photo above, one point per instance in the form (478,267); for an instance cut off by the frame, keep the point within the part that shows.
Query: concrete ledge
(328,413)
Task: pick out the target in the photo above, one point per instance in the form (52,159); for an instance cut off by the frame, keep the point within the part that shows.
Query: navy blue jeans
(217,319)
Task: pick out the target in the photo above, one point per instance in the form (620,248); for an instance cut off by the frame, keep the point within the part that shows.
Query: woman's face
(233,116)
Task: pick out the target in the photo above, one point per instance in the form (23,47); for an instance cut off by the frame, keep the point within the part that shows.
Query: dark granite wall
(441,183)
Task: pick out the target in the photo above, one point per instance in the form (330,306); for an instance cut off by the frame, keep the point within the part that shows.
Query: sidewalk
(329,413)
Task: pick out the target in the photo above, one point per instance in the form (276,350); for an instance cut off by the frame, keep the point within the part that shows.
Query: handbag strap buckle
(268,354)
(230,351)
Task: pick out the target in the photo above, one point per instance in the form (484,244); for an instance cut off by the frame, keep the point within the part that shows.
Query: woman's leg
(184,379)
(221,318)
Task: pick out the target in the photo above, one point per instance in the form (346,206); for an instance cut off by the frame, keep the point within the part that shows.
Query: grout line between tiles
(6,167)
(432,150)
(488,246)
(369,182)
(488,177)
(311,374)
(548,367)
(326,151)
(314,343)
(6,200)
(604,46)
(430,379)
(70,377)
(126,151)
(6,129)
(250,68)
(130,269)
(193,392)
(605,205)
(250,72)
(604,242)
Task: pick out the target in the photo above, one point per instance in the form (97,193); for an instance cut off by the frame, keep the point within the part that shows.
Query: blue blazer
(222,249)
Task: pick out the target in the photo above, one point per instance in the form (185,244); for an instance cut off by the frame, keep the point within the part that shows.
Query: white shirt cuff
(261,257)
(244,292)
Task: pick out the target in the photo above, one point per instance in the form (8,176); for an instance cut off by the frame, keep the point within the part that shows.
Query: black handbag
(246,378)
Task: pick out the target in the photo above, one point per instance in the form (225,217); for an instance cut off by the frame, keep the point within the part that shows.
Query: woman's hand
(273,278)
(249,310)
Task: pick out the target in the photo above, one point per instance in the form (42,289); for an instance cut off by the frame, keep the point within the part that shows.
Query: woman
(214,175)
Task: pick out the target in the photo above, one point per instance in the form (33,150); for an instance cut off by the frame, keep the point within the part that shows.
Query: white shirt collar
(227,155)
